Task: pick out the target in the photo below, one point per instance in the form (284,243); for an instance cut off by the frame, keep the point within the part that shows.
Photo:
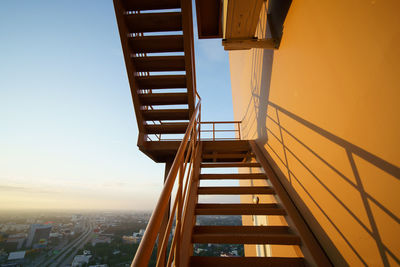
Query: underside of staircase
(157,42)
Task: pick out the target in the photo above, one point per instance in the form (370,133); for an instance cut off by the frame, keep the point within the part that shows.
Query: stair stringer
(189,210)
(314,254)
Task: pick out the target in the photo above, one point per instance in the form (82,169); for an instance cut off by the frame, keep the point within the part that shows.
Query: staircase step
(198,261)
(231,165)
(156,44)
(233,176)
(276,235)
(239,209)
(150,4)
(166,114)
(226,146)
(164,99)
(240,229)
(224,155)
(154,22)
(235,190)
(166,128)
(159,63)
(161,81)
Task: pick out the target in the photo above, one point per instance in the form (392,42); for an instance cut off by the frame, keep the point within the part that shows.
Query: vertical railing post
(164,224)
(199,122)
(213,131)
(178,225)
(238,124)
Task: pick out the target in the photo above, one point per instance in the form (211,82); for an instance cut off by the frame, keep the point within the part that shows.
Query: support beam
(130,68)
(242,18)
(248,43)
(187,28)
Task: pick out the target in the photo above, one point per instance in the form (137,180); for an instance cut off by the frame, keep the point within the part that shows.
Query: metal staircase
(157,37)
(183,186)
(157,42)
(246,234)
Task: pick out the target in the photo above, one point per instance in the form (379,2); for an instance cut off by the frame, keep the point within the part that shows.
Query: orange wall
(325,107)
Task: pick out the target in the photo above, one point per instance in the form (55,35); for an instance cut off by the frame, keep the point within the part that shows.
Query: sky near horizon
(68,131)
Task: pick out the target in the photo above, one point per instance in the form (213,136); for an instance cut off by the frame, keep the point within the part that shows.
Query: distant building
(101,239)
(3,256)
(16,242)
(87,252)
(55,235)
(76,217)
(15,258)
(79,227)
(80,260)
(128,239)
(38,233)
(101,219)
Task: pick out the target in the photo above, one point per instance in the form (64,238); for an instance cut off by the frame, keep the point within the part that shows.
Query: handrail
(214,131)
(188,147)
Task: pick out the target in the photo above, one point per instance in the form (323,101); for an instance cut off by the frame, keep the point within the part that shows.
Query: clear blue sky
(67,126)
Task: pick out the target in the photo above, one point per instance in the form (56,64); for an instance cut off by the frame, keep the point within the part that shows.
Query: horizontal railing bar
(221,122)
(210,139)
(210,131)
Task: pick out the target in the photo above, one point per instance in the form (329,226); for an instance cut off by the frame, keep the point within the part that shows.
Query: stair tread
(161,81)
(154,22)
(226,146)
(166,128)
(224,155)
(166,114)
(236,206)
(226,237)
(238,209)
(159,63)
(235,190)
(156,44)
(198,261)
(151,4)
(233,176)
(229,229)
(164,99)
(230,165)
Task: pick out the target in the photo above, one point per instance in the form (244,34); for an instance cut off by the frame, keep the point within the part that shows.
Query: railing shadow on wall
(259,122)
(350,150)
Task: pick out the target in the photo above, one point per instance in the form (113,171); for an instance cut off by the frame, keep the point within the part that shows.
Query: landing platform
(213,151)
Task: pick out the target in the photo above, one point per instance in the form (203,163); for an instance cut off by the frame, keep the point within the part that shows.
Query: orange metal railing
(214,133)
(179,178)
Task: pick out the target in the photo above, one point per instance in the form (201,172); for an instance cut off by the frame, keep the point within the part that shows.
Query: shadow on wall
(351,150)
(272,124)
(256,111)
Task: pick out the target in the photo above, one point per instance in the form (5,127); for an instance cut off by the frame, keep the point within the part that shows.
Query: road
(69,256)
(43,256)
(70,248)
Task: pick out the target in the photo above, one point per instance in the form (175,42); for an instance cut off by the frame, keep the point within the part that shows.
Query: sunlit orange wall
(325,107)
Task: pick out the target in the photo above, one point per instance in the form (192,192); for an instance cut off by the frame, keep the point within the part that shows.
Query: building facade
(38,232)
(324,106)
